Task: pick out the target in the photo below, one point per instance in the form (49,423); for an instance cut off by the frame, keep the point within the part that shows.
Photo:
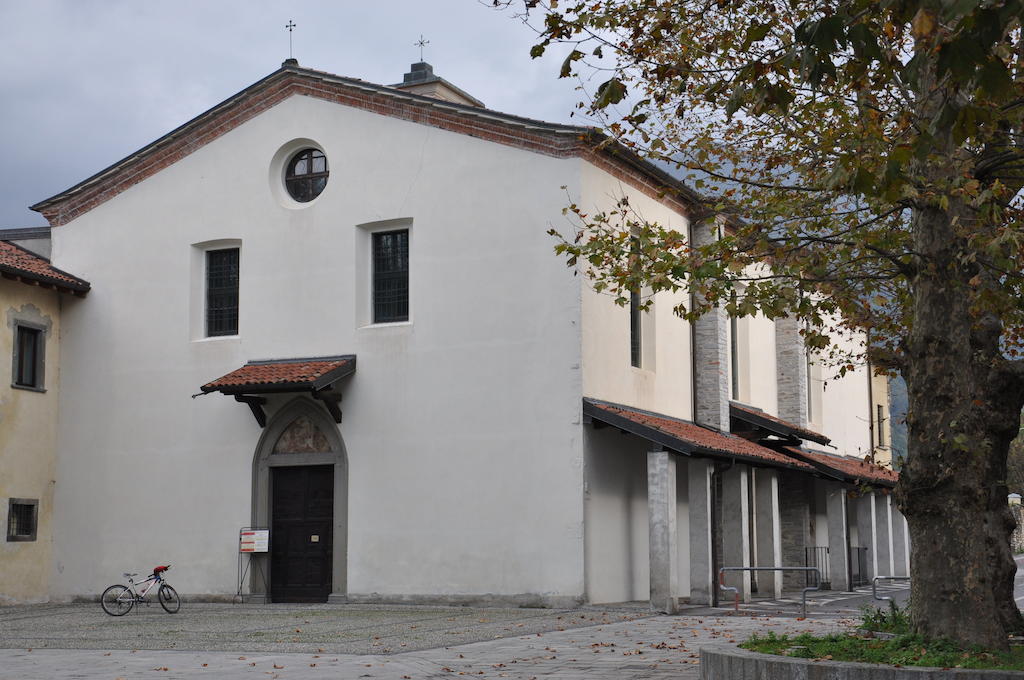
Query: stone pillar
(711,354)
(866,532)
(838,537)
(768,528)
(900,554)
(883,540)
(791,370)
(795,512)
(661,513)
(736,527)
(698,488)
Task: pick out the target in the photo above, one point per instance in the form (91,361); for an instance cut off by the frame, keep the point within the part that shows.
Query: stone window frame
(12,523)
(40,351)
(364,269)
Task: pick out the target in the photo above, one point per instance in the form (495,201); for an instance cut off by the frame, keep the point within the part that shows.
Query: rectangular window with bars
(22,518)
(28,357)
(391,276)
(222,292)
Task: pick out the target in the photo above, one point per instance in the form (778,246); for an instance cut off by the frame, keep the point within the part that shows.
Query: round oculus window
(306,175)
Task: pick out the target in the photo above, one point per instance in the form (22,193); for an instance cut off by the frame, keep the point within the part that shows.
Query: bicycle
(118,600)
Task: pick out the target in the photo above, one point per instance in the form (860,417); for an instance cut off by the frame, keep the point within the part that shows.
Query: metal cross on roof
(421,43)
(290,25)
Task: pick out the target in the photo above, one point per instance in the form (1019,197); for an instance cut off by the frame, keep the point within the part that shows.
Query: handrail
(874,586)
(803,594)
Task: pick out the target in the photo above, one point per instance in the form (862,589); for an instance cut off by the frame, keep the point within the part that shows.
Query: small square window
(391,276)
(22,518)
(222,292)
(28,357)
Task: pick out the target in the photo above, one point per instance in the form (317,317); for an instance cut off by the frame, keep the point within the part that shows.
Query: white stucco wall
(845,413)
(758,375)
(661,385)
(461,427)
(617,528)
(616,466)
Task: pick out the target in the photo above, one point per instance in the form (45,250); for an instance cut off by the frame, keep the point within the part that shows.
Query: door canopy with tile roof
(317,376)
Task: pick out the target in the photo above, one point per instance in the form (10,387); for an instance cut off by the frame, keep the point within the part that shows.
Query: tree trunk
(964,409)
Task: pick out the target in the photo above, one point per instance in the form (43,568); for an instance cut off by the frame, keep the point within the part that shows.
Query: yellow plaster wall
(28,428)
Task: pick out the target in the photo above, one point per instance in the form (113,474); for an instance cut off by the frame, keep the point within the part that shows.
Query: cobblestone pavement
(60,642)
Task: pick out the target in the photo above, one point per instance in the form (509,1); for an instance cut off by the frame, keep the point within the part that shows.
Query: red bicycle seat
(157,570)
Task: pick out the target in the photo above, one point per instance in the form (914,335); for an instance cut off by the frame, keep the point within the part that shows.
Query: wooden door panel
(302,511)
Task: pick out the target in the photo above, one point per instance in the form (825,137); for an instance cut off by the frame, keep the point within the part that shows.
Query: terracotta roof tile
(848,466)
(266,376)
(18,263)
(785,426)
(693,437)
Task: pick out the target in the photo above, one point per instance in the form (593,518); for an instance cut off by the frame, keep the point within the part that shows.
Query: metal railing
(803,593)
(874,586)
(817,556)
(858,567)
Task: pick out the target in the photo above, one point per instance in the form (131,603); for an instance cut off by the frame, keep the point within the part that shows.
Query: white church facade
(331,310)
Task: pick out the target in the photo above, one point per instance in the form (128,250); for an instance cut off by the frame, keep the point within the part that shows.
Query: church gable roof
(552,139)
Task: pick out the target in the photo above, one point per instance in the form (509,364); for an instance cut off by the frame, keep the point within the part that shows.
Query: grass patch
(891,620)
(903,650)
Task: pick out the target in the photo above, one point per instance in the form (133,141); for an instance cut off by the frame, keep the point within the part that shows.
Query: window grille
(21,519)
(222,292)
(881,425)
(28,357)
(391,276)
(306,175)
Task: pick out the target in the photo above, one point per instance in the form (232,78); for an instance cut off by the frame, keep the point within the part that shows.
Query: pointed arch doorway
(300,491)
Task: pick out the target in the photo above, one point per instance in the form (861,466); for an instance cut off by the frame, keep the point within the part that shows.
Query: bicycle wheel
(169,599)
(117,600)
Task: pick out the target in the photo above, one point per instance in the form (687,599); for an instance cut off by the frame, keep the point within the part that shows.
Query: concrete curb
(729,663)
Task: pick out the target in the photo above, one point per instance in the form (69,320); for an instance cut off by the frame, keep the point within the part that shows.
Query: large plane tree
(865,160)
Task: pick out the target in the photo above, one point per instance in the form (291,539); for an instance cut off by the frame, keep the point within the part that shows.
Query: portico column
(736,527)
(901,565)
(661,513)
(867,533)
(768,530)
(838,537)
(883,525)
(698,486)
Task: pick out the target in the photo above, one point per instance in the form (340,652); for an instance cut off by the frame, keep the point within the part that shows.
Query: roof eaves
(601,142)
(593,408)
(157,143)
(76,285)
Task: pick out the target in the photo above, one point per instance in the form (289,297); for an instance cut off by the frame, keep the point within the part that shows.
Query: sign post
(252,540)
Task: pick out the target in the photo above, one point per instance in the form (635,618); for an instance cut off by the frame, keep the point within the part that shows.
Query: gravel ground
(337,629)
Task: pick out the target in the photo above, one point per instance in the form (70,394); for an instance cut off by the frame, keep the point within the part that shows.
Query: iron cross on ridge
(290,25)
(421,43)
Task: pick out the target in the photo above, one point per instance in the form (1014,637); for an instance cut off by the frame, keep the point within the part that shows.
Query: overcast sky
(83,83)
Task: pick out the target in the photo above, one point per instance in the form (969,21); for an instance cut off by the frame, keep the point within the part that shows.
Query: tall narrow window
(391,276)
(881,425)
(734,358)
(28,357)
(222,292)
(810,386)
(635,321)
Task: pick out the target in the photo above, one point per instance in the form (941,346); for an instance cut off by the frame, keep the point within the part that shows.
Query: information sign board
(254,540)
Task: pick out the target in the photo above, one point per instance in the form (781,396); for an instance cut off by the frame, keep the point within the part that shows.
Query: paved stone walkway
(293,642)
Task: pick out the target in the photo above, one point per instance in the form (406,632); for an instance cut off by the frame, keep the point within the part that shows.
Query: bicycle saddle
(127,575)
